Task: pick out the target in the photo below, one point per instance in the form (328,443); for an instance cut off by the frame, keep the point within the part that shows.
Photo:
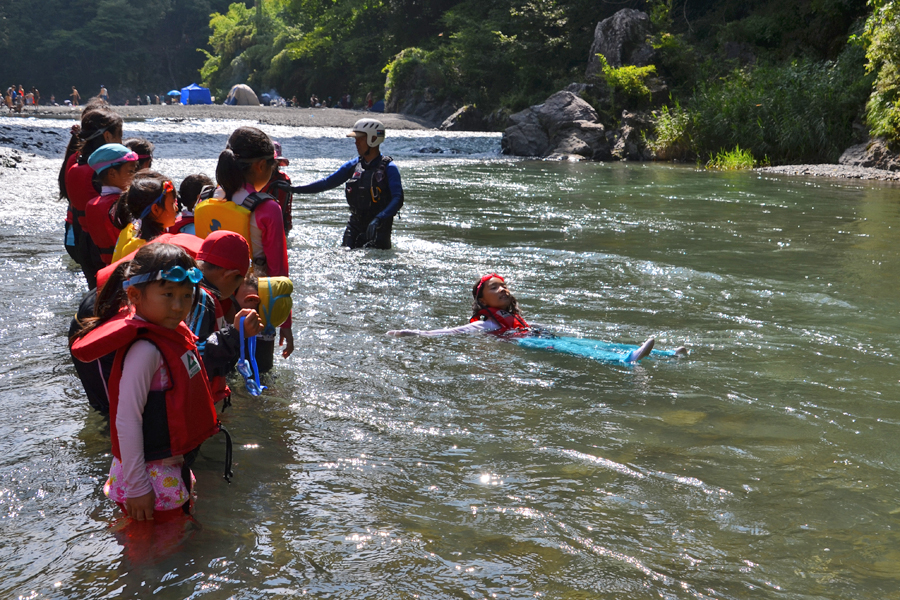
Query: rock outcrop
(875,154)
(622,40)
(563,127)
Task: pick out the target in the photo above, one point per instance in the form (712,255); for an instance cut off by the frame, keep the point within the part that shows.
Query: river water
(764,465)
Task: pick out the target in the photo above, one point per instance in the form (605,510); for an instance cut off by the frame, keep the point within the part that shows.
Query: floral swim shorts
(168,485)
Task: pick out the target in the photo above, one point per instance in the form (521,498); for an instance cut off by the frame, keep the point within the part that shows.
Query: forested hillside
(786,78)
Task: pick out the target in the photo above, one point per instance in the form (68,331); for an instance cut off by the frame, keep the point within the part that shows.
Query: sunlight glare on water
(764,464)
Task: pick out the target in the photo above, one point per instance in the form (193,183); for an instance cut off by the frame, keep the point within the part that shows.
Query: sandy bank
(293,117)
(839,171)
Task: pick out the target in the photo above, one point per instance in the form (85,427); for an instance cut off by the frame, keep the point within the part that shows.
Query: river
(764,465)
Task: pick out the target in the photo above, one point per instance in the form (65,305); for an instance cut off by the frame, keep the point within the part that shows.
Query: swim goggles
(175,274)
(249,369)
(167,187)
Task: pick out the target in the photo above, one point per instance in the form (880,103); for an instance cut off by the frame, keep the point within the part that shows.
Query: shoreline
(292,117)
(15,142)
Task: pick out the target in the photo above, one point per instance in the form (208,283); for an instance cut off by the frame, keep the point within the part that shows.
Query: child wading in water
(495,310)
(161,408)
(144,211)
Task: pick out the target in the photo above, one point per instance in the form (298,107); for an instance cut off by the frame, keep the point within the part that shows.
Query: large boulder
(467,118)
(622,40)
(629,141)
(875,153)
(564,126)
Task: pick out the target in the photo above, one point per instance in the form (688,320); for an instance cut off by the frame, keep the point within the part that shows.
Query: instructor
(373,189)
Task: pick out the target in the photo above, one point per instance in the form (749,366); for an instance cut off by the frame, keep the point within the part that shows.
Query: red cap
(226,249)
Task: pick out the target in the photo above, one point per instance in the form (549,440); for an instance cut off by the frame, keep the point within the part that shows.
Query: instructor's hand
(372,229)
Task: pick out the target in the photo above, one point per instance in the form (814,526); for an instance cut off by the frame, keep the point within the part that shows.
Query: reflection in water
(467,467)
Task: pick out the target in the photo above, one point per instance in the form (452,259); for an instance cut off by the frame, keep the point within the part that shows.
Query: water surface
(764,465)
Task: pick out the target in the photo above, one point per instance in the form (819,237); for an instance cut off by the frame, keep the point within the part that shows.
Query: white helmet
(372,129)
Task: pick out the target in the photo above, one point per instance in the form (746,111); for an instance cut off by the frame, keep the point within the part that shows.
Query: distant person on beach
(373,188)
(104,94)
(369,101)
(76,97)
(495,310)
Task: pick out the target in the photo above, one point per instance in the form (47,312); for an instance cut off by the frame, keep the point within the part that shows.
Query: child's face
(495,294)
(166,213)
(120,176)
(164,303)
(247,296)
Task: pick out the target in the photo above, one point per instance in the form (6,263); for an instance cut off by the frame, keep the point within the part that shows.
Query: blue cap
(109,155)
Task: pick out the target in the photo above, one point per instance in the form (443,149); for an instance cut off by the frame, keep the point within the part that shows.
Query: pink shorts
(168,485)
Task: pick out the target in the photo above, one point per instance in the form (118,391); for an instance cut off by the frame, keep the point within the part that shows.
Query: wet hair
(143,148)
(477,306)
(95,117)
(246,146)
(191,187)
(112,298)
(145,188)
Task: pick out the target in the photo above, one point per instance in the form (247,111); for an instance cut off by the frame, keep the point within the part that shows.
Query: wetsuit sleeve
(337,178)
(476,327)
(396,187)
(141,363)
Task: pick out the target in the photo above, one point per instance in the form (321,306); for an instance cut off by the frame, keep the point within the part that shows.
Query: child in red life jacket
(189,193)
(161,408)
(114,166)
(495,310)
(224,259)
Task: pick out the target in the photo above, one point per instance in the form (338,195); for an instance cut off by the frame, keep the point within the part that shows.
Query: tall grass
(732,160)
(800,112)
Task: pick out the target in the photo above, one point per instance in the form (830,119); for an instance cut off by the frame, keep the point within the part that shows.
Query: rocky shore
(840,171)
(292,117)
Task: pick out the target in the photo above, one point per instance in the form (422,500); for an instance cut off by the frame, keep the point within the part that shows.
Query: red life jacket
(79,189)
(280,188)
(175,421)
(181,222)
(506,321)
(99,225)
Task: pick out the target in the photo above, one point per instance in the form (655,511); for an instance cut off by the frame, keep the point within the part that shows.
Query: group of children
(183,283)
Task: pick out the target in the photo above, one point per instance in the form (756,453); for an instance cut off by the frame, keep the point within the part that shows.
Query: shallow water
(764,465)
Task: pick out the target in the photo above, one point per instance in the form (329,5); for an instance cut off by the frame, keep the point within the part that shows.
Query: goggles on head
(484,280)
(175,274)
(130,157)
(167,187)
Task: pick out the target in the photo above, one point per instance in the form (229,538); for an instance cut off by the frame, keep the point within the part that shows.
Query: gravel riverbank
(838,171)
(293,117)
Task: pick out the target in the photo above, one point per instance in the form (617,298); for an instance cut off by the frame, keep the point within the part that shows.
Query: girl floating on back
(495,310)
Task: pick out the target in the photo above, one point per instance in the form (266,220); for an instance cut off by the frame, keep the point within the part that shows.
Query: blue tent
(194,94)
(377,107)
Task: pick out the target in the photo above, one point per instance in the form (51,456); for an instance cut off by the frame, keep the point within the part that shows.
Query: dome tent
(243,95)
(194,94)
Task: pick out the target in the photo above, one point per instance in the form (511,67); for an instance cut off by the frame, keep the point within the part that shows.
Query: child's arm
(476,327)
(140,364)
